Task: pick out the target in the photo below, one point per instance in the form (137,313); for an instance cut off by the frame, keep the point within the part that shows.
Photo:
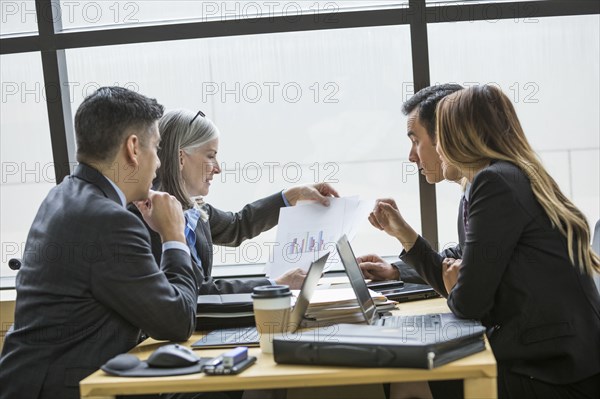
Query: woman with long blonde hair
(527,265)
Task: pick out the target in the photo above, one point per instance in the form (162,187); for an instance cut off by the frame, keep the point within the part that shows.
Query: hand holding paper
(318,192)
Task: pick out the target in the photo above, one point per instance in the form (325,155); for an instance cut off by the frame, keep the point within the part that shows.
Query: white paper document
(307,231)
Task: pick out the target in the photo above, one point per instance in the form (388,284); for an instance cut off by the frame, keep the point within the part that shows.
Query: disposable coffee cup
(272,305)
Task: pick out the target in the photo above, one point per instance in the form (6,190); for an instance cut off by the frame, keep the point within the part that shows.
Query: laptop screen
(308,288)
(357,280)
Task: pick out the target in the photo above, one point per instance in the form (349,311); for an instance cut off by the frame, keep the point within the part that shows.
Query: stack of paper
(339,305)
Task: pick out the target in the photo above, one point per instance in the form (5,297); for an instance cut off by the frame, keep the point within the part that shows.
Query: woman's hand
(315,192)
(294,278)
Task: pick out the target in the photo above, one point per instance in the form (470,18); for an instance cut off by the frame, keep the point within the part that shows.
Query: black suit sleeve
(453,252)
(427,263)
(161,302)
(424,261)
(496,221)
(231,229)
(408,273)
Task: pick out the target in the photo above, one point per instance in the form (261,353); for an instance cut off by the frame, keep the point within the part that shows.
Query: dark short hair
(102,121)
(426,100)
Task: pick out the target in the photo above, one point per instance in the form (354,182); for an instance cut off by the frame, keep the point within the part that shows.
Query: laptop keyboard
(427,321)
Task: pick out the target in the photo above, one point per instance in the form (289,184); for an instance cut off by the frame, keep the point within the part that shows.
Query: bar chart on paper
(306,242)
(307,232)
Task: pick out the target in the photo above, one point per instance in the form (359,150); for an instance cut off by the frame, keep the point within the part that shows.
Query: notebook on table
(401,291)
(418,341)
(248,336)
(407,292)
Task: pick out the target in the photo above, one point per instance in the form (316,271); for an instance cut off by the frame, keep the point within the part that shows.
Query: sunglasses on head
(200,113)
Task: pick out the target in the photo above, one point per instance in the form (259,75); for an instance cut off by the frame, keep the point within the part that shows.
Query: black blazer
(426,261)
(543,314)
(227,229)
(88,285)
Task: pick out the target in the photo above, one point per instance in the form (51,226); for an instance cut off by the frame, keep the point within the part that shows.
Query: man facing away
(89,283)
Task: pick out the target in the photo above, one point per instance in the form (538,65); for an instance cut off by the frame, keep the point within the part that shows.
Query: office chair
(596,249)
(14,264)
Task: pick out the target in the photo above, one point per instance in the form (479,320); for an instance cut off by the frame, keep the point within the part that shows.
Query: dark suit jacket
(429,262)
(516,277)
(227,229)
(88,285)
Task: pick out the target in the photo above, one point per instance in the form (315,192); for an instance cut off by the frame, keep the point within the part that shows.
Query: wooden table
(7,312)
(478,372)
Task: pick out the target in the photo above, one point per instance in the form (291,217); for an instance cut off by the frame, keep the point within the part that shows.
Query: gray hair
(179,131)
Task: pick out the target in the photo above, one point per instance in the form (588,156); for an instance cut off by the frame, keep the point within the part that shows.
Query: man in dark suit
(420,109)
(89,283)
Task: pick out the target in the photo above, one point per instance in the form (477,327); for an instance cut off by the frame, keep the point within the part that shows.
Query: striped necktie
(466,214)
(191,221)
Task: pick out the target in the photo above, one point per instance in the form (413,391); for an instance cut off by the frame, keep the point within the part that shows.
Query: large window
(549,67)
(27,166)
(292,108)
(17,17)
(103,14)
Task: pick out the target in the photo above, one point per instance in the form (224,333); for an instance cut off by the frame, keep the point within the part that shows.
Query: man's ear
(132,149)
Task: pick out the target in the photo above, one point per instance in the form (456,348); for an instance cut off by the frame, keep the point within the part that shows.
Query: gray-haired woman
(188,155)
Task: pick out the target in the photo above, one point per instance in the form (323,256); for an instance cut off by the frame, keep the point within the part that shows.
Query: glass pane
(292,108)
(27,167)
(85,14)
(18,17)
(550,70)
(467,2)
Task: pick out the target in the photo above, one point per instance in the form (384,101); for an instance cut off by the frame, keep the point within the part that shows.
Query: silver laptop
(248,336)
(367,305)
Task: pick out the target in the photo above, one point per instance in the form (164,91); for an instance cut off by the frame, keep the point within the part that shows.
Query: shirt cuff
(273,282)
(285,201)
(175,245)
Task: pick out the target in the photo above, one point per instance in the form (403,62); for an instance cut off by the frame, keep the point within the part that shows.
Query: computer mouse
(172,355)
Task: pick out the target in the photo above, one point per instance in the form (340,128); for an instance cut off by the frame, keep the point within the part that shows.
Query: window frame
(52,42)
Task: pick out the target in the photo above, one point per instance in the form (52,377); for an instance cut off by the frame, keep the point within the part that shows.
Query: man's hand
(293,278)
(163,214)
(316,192)
(375,268)
(450,269)
(387,217)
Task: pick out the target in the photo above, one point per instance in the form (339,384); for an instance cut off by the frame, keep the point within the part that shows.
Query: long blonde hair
(478,125)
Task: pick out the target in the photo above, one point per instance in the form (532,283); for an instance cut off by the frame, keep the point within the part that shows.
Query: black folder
(376,346)
(233,303)
(224,311)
